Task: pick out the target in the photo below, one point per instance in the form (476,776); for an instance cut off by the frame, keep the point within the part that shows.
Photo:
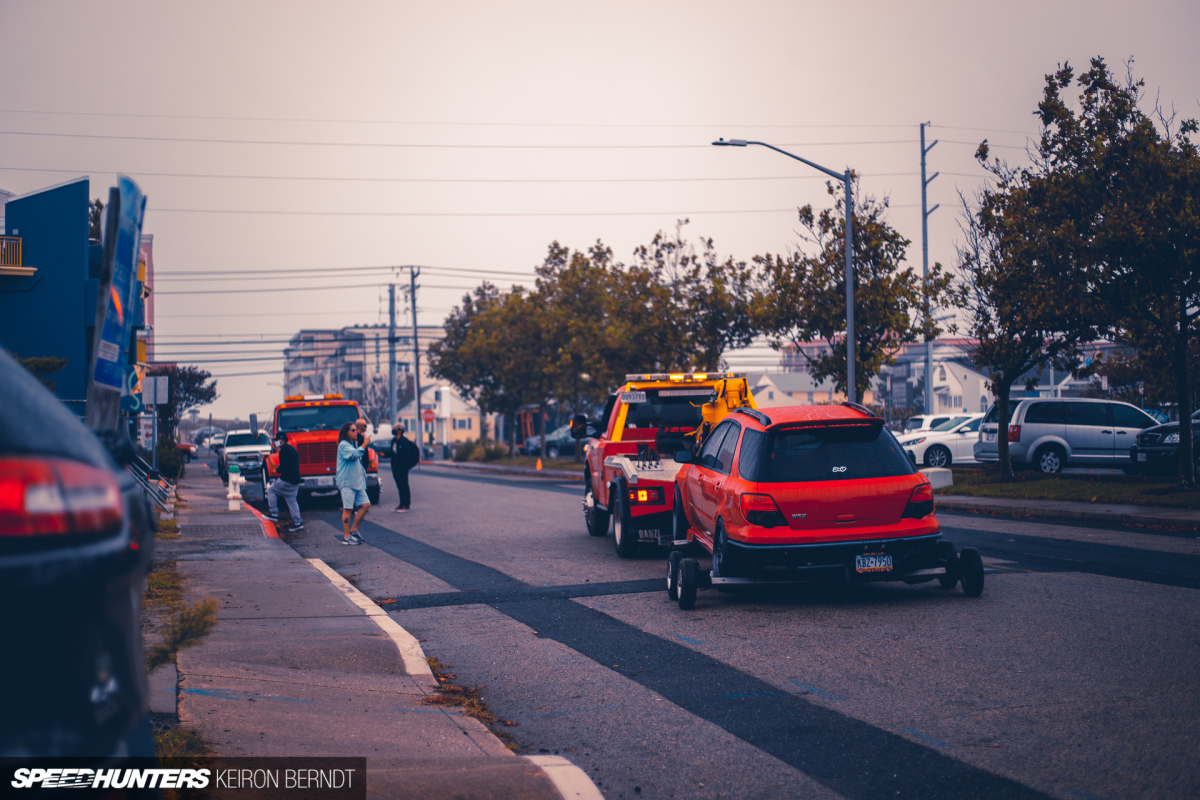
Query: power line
(409,146)
(790,210)
(331,270)
(432,180)
(295,289)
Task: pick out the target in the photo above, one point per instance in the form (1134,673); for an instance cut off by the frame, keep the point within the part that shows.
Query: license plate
(325,480)
(1141,456)
(872,562)
(989,436)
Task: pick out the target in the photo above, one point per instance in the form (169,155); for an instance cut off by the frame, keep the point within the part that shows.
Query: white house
(775,389)
(959,388)
(455,420)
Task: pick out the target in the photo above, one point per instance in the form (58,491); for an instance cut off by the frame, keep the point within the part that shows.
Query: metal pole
(391,354)
(850,386)
(925,212)
(413,272)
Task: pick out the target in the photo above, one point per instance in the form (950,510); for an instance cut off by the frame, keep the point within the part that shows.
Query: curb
(1055,511)
(570,781)
(415,663)
(529,472)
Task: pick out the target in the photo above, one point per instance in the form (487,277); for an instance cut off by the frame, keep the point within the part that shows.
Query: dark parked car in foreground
(76,536)
(1157,448)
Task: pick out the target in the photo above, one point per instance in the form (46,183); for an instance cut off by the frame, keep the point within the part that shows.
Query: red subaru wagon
(807,493)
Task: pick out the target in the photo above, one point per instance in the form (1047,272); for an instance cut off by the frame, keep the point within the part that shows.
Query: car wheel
(673,574)
(1050,459)
(723,563)
(970,568)
(624,538)
(689,578)
(595,517)
(937,456)
(679,520)
(945,551)
(551,452)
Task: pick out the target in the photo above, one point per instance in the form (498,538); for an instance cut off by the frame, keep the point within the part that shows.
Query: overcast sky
(469,135)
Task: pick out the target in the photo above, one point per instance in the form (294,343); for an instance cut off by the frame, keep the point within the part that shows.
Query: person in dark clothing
(404,455)
(287,485)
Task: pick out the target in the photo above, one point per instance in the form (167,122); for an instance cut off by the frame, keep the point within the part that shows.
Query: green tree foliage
(1111,202)
(188,387)
(95,215)
(42,366)
(801,298)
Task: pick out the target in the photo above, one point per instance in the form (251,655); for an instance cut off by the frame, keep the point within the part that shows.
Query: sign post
(154,394)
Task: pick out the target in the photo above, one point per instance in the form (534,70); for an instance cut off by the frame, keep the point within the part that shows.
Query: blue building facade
(52,311)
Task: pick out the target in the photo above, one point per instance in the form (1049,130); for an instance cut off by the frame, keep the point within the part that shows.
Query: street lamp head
(730,143)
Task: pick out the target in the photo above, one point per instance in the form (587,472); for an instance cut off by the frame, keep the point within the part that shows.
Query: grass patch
(1134,490)
(547,463)
(167,529)
(164,586)
(187,627)
(466,699)
(180,742)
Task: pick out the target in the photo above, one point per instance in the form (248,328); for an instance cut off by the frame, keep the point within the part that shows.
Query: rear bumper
(834,561)
(326,483)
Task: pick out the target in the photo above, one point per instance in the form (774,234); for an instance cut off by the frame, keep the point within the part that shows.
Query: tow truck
(312,423)
(629,475)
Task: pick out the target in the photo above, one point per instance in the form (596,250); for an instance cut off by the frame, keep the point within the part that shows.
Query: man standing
(287,485)
(404,455)
(352,479)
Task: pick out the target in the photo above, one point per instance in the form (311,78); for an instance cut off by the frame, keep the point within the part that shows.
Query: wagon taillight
(761,509)
(920,502)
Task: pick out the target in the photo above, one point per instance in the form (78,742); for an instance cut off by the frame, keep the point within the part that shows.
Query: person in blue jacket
(352,479)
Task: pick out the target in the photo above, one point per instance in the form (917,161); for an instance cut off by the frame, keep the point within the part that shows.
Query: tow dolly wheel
(946,553)
(673,574)
(970,569)
(689,580)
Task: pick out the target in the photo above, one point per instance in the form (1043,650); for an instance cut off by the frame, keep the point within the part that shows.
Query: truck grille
(317,453)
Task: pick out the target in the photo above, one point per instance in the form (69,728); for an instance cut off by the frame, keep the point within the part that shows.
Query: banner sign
(111,351)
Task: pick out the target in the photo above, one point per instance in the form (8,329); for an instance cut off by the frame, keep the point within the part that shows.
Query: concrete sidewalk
(1084,512)
(297,667)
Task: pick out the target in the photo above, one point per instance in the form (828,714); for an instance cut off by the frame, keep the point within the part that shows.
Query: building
(49,281)
(455,419)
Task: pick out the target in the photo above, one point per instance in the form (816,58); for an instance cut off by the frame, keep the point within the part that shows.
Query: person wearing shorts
(352,479)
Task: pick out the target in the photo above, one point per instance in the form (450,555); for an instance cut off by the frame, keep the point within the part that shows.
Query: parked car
(215,442)
(187,450)
(926,422)
(76,538)
(558,443)
(1162,418)
(807,493)
(1157,449)
(246,449)
(951,442)
(1051,433)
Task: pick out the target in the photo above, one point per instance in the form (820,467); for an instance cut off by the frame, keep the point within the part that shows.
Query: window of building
(810,394)
(437,396)
(942,372)
(770,395)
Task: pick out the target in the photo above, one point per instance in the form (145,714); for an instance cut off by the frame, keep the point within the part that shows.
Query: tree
(801,299)
(95,214)
(188,387)
(42,366)
(1115,199)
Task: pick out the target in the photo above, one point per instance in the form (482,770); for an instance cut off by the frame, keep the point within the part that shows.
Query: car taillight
(920,502)
(54,496)
(760,509)
(1014,433)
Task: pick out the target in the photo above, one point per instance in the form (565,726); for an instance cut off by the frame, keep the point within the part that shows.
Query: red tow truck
(312,423)
(629,477)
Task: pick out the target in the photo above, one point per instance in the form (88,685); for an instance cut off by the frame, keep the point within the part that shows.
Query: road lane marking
(808,687)
(690,640)
(411,653)
(929,739)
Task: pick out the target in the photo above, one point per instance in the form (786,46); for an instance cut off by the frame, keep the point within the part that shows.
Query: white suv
(246,449)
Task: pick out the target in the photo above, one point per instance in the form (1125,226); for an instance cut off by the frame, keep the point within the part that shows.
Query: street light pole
(844,177)
(925,212)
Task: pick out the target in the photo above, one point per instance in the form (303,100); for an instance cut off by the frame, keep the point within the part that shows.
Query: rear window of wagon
(799,455)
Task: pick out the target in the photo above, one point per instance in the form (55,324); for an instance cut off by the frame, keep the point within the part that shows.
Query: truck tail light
(55,496)
(920,502)
(1014,433)
(651,495)
(760,509)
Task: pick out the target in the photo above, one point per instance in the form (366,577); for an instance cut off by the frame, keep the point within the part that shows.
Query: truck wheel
(595,517)
(673,574)
(970,567)
(624,537)
(373,494)
(945,551)
(689,578)
(679,521)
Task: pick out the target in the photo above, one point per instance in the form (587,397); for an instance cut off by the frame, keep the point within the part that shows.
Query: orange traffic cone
(539,465)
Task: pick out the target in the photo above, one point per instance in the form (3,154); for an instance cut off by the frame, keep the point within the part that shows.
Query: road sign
(113,339)
(154,390)
(428,416)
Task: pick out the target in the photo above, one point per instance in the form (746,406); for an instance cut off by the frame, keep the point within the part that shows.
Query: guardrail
(10,251)
(158,488)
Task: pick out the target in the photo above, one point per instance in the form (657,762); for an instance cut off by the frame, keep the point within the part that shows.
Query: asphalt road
(1074,676)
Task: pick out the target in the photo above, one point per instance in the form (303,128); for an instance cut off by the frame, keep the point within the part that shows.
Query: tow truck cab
(312,423)
(629,475)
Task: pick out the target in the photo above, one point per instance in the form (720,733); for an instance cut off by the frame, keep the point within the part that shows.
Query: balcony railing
(10,257)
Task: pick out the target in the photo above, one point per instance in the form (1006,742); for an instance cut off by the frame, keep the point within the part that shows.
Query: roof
(791,382)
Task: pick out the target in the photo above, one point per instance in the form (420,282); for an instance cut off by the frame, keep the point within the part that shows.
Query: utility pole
(391,354)
(413,272)
(925,212)
(849,247)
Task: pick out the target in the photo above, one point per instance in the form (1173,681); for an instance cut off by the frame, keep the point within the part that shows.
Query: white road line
(411,653)
(570,781)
